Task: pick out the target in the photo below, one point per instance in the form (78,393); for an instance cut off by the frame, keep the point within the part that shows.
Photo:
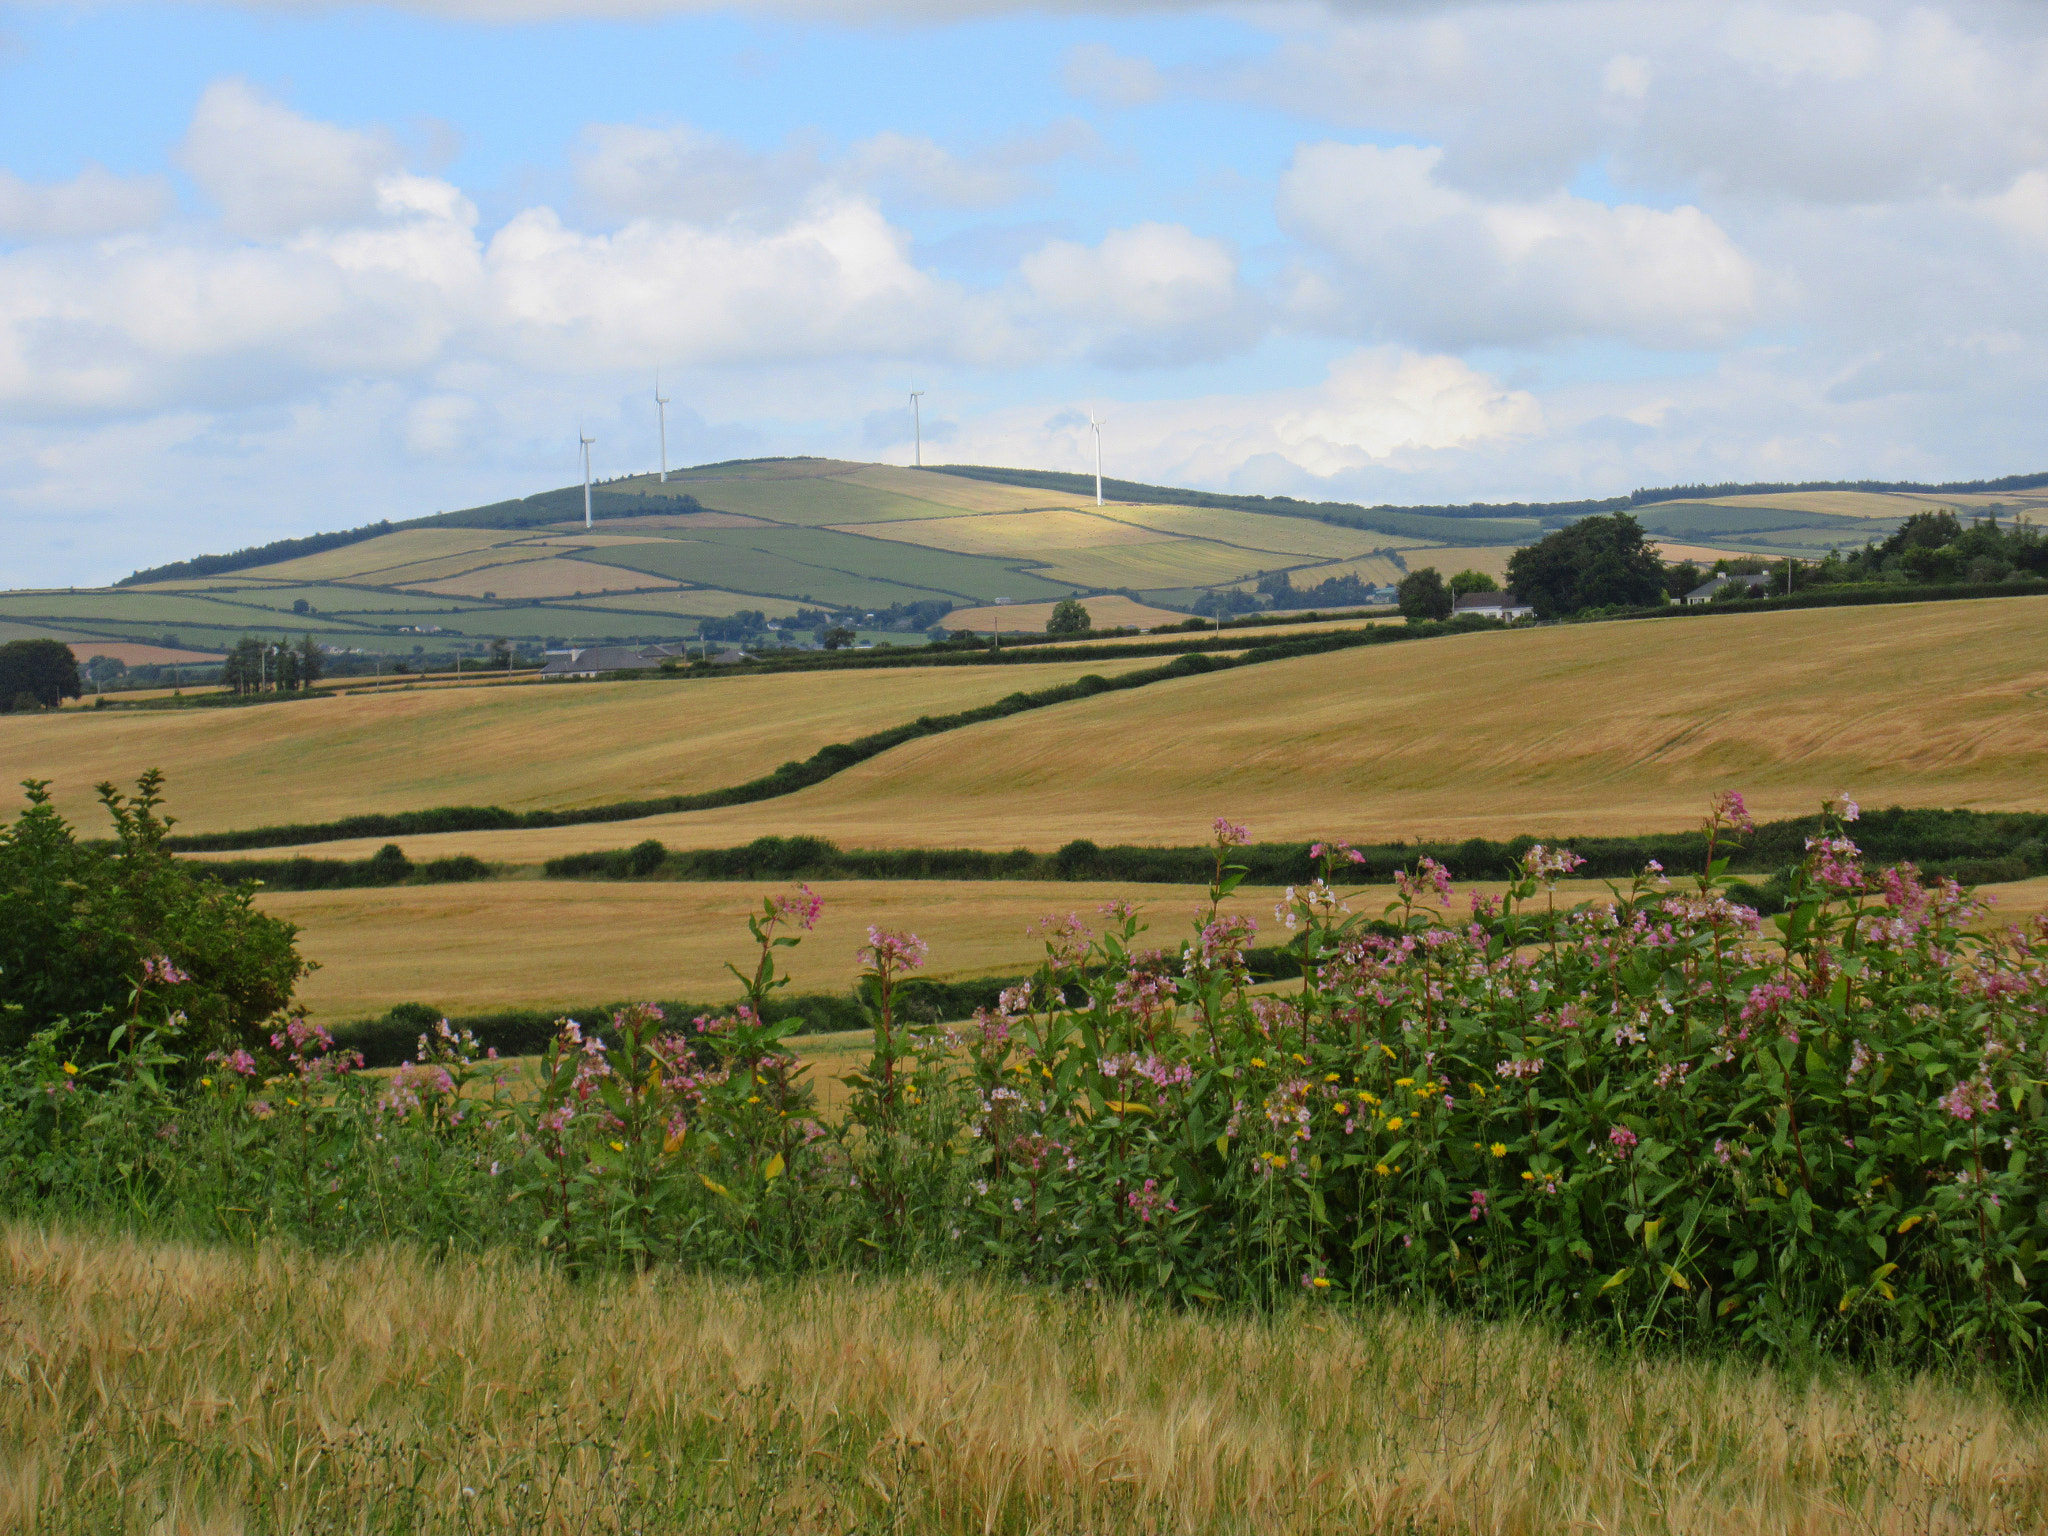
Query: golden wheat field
(533,744)
(1570,730)
(161,1388)
(571,943)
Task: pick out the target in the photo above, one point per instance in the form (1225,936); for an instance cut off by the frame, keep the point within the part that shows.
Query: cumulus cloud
(1419,258)
(1153,293)
(273,172)
(93,203)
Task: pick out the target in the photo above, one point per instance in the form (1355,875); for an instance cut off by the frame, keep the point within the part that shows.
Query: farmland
(469,1393)
(528,943)
(525,745)
(1574,730)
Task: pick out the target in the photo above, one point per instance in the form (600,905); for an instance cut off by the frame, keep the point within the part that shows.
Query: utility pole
(917,423)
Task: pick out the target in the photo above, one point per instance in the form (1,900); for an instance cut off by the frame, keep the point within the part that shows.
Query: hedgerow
(1659,1115)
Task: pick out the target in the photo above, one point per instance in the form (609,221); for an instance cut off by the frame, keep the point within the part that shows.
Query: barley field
(155,1387)
(533,744)
(1573,730)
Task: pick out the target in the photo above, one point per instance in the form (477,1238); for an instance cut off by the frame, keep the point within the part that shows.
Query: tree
(838,638)
(300,605)
(104,669)
(43,670)
(1472,581)
(1423,595)
(1069,618)
(312,665)
(1681,578)
(501,653)
(1596,562)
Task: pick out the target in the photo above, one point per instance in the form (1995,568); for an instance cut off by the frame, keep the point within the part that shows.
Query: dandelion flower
(1381,1169)
(1526,1174)
(1257,1062)
(618,1146)
(1322,1282)
(1393,1122)
(70,1070)
(1499,1149)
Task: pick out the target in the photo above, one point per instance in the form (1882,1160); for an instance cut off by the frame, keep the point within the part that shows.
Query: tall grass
(158,1388)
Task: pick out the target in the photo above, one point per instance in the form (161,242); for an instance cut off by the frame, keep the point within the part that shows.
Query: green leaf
(1615,1279)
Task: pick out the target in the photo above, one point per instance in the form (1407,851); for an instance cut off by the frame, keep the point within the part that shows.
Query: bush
(37,674)
(83,931)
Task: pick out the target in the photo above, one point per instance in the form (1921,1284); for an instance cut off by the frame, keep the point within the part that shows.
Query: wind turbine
(585,442)
(917,423)
(1096,427)
(661,407)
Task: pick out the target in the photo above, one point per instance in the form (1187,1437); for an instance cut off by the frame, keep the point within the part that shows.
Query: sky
(279,267)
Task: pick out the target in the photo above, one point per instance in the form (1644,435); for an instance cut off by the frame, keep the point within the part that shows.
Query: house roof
(1484,601)
(1714,584)
(592,659)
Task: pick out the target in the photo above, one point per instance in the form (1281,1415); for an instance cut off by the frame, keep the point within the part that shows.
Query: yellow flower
(206,1082)
(1387,1050)
(1381,1169)
(1329,1077)
(1528,1175)
(1321,1283)
(293,1102)
(754,1098)
(1257,1062)
(70,1070)
(1393,1122)
(1340,1107)
(1303,1060)
(1499,1149)
(618,1146)
(1404,1082)
(1366,1098)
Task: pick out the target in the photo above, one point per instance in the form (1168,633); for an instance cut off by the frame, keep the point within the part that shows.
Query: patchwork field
(1578,729)
(1110,612)
(524,745)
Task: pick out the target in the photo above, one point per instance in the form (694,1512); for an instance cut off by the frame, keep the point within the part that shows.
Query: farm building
(1493,605)
(592,660)
(1758,585)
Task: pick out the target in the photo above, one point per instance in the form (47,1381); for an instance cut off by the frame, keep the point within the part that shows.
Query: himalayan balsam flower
(1549,864)
(1230,835)
(1970,1098)
(800,906)
(887,951)
(1623,1138)
(1843,807)
(1730,808)
(1478,1210)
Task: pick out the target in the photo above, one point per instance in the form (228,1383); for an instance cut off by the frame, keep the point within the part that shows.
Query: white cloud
(1097,72)
(93,203)
(273,172)
(1149,294)
(1418,258)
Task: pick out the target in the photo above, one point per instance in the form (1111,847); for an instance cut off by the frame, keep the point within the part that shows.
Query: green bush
(80,926)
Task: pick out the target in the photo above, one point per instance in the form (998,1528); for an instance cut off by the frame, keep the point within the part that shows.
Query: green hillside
(773,536)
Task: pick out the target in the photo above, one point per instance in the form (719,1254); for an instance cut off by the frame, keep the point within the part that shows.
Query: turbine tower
(917,423)
(585,442)
(661,408)
(1095,426)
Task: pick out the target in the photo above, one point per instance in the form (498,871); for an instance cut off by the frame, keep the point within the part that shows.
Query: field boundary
(827,761)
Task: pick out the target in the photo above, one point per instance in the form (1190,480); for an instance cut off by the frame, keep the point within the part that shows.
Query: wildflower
(1393,1122)
(801,906)
(1478,1204)
(1968,1099)
(1528,1176)
(617,1146)
(886,951)
(1843,807)
(1499,1149)
(70,1069)
(1258,1062)
(1548,864)
(1230,835)
(1381,1169)
(1623,1138)
(204,1082)
(1321,1282)
(158,968)
(1730,807)
(261,1109)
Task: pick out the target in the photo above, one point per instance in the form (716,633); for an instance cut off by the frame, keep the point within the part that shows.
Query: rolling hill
(782,534)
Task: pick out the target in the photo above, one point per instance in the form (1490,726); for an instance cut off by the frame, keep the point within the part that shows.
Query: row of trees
(271,666)
(37,674)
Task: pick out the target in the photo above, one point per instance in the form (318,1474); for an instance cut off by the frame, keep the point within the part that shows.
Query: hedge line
(822,764)
(1977,847)
(1833,597)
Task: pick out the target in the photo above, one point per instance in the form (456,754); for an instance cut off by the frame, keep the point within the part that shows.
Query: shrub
(37,674)
(79,925)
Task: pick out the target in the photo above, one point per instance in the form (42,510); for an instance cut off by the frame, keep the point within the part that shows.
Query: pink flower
(1970,1098)
(1478,1210)
(892,952)
(1231,835)
(1623,1138)
(801,907)
(1843,807)
(158,968)
(1548,864)
(1729,807)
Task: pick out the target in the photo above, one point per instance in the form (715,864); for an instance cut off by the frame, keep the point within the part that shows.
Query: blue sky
(278,267)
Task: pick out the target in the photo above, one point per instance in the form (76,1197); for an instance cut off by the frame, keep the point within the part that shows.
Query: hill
(776,536)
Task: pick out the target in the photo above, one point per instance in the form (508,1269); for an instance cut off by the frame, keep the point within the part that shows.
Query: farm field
(1572,730)
(570,943)
(1110,612)
(532,943)
(927,1406)
(522,745)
